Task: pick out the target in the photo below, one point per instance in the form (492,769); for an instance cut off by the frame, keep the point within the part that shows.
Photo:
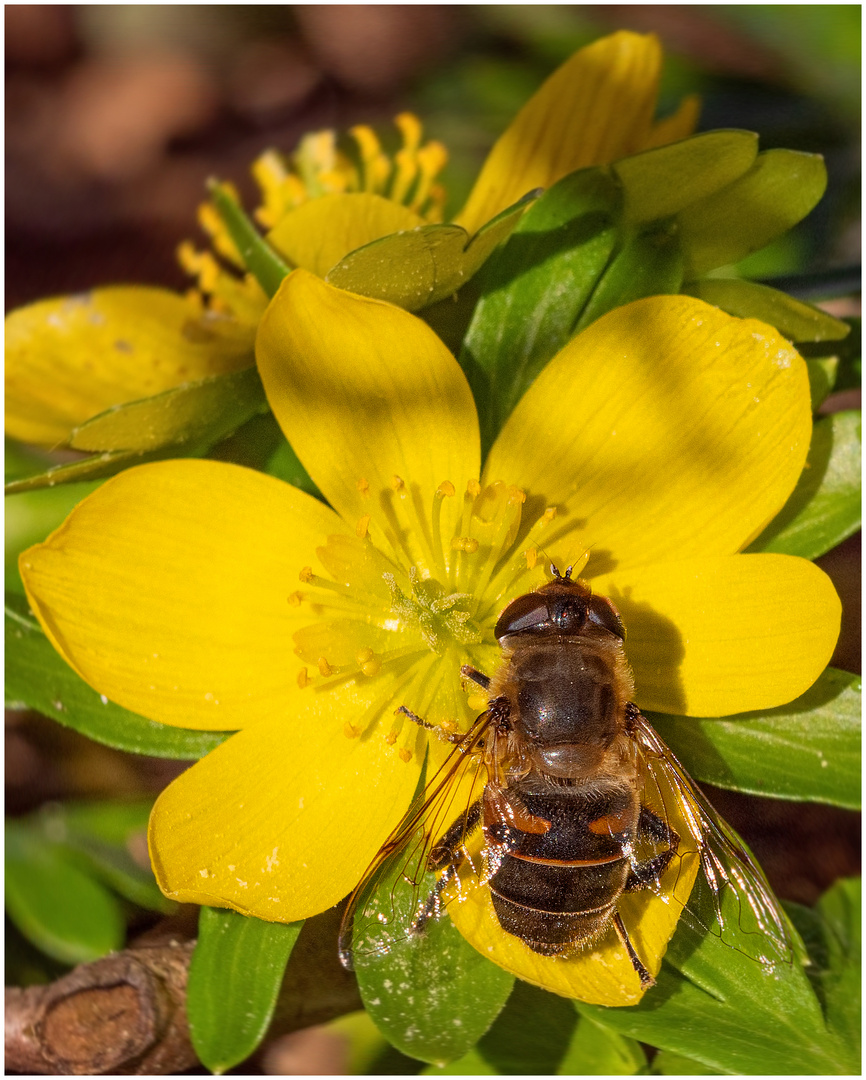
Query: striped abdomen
(558,888)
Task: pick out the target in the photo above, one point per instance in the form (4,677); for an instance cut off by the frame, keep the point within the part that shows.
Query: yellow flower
(70,358)
(661,440)
(324,204)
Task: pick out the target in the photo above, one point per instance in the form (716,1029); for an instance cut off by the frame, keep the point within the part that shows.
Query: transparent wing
(731,897)
(401,886)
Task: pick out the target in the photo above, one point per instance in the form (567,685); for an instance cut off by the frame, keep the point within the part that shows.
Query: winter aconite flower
(70,358)
(660,441)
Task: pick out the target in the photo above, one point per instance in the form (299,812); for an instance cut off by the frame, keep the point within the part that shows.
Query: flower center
(412,596)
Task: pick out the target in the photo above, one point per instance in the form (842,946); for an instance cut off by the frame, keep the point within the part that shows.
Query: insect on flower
(576,806)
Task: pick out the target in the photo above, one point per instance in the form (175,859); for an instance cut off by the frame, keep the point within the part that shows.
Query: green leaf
(419,267)
(105,857)
(538,1033)
(260,444)
(824,508)
(234,979)
(723,1009)
(97,467)
(38,678)
(534,289)
(750,300)
(647,264)
(57,906)
(183,422)
(660,182)
(778,191)
(198,413)
(806,750)
(832,932)
(260,258)
(823,372)
(431,995)
(666,1063)
(848,351)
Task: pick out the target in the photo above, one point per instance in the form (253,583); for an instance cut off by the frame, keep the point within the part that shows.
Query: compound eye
(528,612)
(602,613)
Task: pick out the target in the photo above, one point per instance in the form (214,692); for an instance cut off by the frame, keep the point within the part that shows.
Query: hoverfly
(568,765)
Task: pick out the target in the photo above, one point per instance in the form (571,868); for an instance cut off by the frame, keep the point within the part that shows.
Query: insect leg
(446,849)
(446,853)
(447,736)
(647,873)
(471,673)
(645,978)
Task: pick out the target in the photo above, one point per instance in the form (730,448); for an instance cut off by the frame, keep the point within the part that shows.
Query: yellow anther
(303,678)
(473,488)
(465,543)
(367,141)
(361,527)
(548,515)
(295,598)
(397,483)
(447,727)
(391,738)
(405,755)
(445,489)
(516,494)
(306,575)
(410,128)
(324,667)
(364,487)
(531,556)
(350,731)
(363,655)
(372,667)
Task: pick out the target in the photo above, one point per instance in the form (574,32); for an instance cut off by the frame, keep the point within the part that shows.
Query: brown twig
(122,1014)
(126,1013)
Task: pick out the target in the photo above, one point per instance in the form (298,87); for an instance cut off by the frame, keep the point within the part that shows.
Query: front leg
(651,826)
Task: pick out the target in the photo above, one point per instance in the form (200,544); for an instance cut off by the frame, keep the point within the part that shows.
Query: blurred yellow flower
(70,358)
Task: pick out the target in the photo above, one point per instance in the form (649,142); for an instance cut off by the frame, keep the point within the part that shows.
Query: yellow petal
(365,392)
(169,590)
(72,357)
(717,636)
(667,428)
(282,820)
(601,971)
(678,125)
(318,234)
(594,109)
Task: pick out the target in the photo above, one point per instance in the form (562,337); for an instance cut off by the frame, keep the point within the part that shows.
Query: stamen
(364,487)
(362,526)
(531,556)
(410,129)
(303,678)
(350,731)
(295,598)
(309,578)
(397,483)
(325,668)
(444,491)
(405,755)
